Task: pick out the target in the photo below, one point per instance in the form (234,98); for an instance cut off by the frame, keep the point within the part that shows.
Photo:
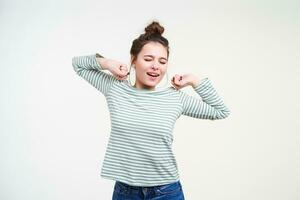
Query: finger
(125,73)
(121,77)
(124,66)
(175,86)
(176,79)
(173,81)
(123,70)
(179,77)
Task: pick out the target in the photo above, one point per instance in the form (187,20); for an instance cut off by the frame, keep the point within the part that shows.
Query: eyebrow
(153,57)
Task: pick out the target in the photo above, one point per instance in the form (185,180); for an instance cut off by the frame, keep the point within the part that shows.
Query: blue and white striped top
(139,150)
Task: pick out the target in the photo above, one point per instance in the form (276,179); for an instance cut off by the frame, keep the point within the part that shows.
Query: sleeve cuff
(97,55)
(204,84)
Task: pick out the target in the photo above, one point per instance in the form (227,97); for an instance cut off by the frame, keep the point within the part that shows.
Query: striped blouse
(139,149)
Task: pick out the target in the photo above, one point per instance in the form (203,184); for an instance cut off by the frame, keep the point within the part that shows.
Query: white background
(55,126)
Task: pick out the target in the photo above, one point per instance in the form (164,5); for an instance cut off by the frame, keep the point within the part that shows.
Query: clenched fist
(180,81)
(118,69)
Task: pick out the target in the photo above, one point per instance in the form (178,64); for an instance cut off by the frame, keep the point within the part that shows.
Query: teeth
(153,74)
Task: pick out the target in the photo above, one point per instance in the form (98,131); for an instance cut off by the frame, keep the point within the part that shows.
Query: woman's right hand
(118,69)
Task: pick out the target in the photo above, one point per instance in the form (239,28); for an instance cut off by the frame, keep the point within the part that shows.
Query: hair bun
(154,28)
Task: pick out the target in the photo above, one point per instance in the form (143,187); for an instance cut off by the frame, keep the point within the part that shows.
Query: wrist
(195,82)
(101,61)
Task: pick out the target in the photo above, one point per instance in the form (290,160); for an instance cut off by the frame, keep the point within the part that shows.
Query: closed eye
(151,60)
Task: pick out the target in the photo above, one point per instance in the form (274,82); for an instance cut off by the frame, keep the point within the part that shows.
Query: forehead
(154,48)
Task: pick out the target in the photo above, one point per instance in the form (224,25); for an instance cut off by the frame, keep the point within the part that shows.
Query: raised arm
(210,106)
(89,67)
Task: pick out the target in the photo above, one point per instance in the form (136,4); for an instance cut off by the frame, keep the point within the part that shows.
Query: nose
(155,66)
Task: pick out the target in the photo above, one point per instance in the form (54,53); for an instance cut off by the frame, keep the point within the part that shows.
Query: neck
(138,86)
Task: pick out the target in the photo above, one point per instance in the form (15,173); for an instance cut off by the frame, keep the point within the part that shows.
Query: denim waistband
(139,187)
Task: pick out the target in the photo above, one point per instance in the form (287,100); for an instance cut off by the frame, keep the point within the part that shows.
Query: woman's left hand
(180,81)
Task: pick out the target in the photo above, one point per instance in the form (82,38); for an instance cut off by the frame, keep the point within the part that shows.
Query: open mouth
(152,74)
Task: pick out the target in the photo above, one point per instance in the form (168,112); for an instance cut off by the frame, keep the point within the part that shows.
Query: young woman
(139,154)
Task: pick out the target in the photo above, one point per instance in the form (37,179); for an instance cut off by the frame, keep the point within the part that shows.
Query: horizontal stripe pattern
(139,150)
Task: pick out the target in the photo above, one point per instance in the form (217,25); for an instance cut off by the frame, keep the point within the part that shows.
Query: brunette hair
(153,33)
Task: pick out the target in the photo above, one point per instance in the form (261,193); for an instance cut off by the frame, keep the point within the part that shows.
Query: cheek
(164,70)
(141,73)
(143,67)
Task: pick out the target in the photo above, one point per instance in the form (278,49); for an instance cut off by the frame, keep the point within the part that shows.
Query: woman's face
(150,65)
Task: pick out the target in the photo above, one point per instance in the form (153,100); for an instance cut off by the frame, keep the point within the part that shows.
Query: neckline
(145,91)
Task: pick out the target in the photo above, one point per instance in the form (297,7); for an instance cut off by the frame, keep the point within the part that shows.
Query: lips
(153,74)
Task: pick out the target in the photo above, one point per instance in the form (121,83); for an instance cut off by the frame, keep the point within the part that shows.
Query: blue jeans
(172,191)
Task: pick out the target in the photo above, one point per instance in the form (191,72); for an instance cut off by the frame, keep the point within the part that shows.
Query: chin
(152,84)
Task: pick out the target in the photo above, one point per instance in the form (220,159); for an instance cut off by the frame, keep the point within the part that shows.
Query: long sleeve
(210,106)
(88,68)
